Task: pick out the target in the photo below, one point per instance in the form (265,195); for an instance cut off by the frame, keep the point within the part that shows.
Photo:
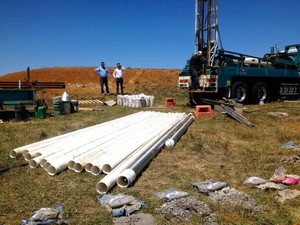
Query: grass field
(219,149)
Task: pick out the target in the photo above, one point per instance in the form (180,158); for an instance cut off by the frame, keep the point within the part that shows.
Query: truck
(238,76)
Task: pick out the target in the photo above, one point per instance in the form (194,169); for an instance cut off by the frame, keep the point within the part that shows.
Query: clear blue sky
(136,33)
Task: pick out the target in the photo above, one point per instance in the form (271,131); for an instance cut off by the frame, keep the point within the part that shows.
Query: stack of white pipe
(110,147)
(135,101)
(124,175)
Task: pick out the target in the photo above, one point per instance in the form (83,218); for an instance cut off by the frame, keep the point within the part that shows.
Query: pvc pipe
(127,177)
(135,142)
(109,180)
(95,166)
(20,150)
(171,141)
(47,164)
(58,166)
(111,146)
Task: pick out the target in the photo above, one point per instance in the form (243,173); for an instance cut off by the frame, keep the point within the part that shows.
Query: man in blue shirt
(103,72)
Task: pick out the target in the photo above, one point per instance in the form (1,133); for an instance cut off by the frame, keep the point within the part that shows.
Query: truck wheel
(260,91)
(240,91)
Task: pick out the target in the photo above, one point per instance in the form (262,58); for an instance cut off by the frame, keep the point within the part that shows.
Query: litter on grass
(121,204)
(290,159)
(46,216)
(255,181)
(271,186)
(207,186)
(290,146)
(170,194)
(280,177)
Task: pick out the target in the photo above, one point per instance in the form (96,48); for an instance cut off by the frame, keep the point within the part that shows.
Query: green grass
(219,148)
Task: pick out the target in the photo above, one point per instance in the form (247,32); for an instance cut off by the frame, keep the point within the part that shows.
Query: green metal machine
(236,75)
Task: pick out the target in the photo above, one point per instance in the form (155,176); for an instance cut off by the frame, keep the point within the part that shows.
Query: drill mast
(206,29)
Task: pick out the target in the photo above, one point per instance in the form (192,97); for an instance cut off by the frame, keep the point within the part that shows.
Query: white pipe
(95,167)
(58,166)
(129,174)
(109,180)
(171,141)
(47,162)
(124,138)
(109,162)
(135,142)
(20,150)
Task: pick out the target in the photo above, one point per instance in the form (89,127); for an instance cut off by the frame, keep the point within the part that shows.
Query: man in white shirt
(118,74)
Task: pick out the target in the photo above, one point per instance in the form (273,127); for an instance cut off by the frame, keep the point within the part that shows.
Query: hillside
(82,81)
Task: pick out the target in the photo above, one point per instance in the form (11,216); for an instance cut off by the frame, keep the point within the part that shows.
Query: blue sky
(136,33)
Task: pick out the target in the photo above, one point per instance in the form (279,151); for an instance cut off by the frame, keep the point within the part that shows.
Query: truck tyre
(240,91)
(260,92)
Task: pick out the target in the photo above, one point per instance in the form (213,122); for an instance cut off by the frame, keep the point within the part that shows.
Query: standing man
(118,74)
(195,67)
(103,72)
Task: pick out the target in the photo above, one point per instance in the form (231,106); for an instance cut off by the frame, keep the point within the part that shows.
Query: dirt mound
(83,81)
(86,75)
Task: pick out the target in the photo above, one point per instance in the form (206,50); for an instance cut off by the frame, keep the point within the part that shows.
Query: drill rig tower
(206,30)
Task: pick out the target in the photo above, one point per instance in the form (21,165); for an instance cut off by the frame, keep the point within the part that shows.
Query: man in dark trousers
(195,67)
(103,72)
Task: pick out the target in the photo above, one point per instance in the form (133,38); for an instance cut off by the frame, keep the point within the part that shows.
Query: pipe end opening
(33,164)
(51,170)
(123,182)
(101,188)
(77,167)
(13,154)
(88,167)
(106,168)
(95,170)
(71,164)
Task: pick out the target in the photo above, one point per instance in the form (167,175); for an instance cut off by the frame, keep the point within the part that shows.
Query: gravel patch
(230,196)
(180,210)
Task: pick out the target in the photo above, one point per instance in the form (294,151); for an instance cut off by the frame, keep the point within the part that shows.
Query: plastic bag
(170,194)
(45,216)
(207,186)
(255,181)
(121,204)
(279,174)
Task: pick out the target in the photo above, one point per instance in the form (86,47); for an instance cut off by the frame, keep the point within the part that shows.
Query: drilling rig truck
(235,75)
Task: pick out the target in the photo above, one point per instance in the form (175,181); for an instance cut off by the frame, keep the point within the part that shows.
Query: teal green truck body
(248,78)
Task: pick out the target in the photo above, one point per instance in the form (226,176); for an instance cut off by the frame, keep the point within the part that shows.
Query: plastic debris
(272,186)
(121,204)
(280,177)
(291,159)
(45,216)
(207,186)
(290,146)
(170,194)
(279,174)
(255,181)
(288,180)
